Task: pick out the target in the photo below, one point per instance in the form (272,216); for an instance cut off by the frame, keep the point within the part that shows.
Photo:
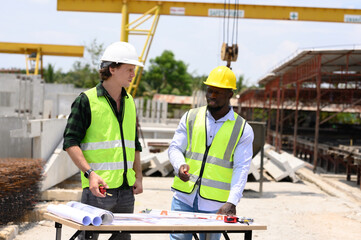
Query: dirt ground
(298,211)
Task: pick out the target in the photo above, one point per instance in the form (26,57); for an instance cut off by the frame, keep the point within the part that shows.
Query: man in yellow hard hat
(211,152)
(101,136)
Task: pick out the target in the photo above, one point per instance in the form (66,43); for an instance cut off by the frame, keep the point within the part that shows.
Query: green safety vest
(108,146)
(210,167)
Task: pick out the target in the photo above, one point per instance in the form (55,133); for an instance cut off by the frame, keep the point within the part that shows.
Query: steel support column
(295,128)
(125,20)
(282,116)
(278,113)
(318,102)
(269,117)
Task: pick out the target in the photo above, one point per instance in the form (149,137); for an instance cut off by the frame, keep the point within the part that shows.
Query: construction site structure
(299,99)
(34,53)
(152,10)
(43,137)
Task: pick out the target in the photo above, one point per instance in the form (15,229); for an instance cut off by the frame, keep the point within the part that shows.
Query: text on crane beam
(352,18)
(225,12)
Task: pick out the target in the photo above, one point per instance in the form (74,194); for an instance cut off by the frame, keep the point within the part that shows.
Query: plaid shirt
(80,118)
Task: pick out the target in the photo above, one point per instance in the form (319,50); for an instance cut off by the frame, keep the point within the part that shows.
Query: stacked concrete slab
(281,165)
(21,95)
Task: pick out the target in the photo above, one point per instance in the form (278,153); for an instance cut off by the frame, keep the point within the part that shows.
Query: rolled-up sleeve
(78,122)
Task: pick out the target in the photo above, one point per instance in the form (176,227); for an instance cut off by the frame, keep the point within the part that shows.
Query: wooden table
(152,228)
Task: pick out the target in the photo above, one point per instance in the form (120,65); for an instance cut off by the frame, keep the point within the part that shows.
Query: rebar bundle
(20,187)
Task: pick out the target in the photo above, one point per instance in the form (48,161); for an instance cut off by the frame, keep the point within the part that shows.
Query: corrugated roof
(331,61)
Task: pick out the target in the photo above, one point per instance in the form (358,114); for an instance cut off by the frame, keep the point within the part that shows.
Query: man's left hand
(138,187)
(228,209)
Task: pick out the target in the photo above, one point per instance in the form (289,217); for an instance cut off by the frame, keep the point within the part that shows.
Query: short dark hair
(104,71)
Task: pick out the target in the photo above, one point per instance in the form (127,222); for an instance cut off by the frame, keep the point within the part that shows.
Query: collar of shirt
(101,91)
(228,116)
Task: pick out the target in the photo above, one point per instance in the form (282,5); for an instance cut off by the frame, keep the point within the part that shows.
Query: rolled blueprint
(106,216)
(70,213)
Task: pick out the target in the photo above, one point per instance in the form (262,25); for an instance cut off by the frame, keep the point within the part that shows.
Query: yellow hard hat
(221,77)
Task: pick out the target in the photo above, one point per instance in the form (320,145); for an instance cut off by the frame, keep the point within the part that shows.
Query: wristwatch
(87,173)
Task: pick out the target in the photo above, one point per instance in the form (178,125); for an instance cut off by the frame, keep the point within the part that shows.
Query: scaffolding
(322,83)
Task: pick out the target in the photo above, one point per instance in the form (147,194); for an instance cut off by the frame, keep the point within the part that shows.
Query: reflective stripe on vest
(106,145)
(102,145)
(215,182)
(110,165)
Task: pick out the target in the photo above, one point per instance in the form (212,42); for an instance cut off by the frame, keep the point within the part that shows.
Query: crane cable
(235,21)
(226,20)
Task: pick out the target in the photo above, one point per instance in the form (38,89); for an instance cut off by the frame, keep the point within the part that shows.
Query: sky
(197,41)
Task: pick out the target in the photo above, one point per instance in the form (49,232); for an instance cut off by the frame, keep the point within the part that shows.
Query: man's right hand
(183,173)
(94,181)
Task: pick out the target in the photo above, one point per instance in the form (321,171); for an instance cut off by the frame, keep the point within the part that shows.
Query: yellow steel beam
(131,29)
(45,49)
(202,9)
(34,52)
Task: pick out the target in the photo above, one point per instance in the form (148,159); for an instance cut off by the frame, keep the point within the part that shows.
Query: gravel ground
(298,211)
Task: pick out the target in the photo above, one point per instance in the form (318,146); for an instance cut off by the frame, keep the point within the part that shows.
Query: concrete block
(145,158)
(294,162)
(161,163)
(58,168)
(9,232)
(283,162)
(61,195)
(275,171)
(155,132)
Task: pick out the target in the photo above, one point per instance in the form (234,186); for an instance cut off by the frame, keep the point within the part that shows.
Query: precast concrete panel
(64,102)
(37,97)
(13,147)
(61,105)
(8,94)
(51,135)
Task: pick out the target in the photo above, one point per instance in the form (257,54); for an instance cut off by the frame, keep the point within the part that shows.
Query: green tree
(197,83)
(52,76)
(240,83)
(49,74)
(84,74)
(166,75)
(94,52)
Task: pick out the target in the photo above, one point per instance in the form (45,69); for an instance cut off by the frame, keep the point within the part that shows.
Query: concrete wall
(15,147)
(60,97)
(21,95)
(50,136)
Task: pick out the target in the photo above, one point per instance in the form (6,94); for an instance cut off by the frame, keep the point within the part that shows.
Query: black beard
(214,109)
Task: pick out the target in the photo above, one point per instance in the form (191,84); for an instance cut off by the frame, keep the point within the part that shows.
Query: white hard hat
(121,52)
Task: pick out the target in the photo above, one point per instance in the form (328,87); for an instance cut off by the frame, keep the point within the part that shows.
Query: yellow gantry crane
(153,9)
(34,53)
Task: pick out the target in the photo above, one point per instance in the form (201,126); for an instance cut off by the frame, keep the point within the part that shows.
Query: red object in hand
(102,190)
(230,219)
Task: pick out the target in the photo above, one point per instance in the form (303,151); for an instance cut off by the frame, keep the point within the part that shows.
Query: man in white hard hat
(211,152)
(101,136)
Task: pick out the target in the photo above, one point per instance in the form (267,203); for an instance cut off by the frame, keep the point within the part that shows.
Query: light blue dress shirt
(242,160)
